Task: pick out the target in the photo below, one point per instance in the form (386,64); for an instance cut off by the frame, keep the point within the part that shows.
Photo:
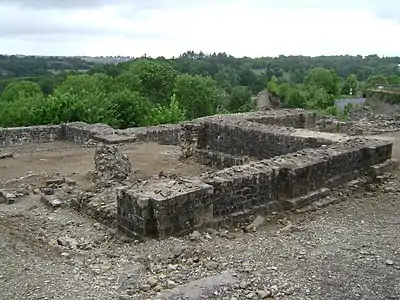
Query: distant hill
(12,66)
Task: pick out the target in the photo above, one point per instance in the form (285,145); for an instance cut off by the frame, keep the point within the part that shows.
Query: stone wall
(219,160)
(267,161)
(235,193)
(258,140)
(80,132)
(154,211)
(296,118)
(162,134)
(27,135)
(378,98)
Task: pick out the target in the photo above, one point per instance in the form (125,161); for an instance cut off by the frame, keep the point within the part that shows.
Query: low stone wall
(235,193)
(378,98)
(258,140)
(334,126)
(28,135)
(80,132)
(219,160)
(296,118)
(145,211)
(263,167)
(162,134)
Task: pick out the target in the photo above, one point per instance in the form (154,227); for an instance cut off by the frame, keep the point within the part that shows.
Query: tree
(84,84)
(171,113)
(132,108)
(319,98)
(292,96)
(128,80)
(17,90)
(239,99)
(273,85)
(157,80)
(323,78)
(350,85)
(81,98)
(198,96)
(23,111)
(375,81)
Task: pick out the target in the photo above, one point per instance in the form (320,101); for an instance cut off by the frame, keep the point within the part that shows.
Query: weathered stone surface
(195,289)
(236,193)
(165,207)
(110,165)
(361,121)
(5,155)
(28,135)
(218,159)
(6,197)
(267,160)
(240,138)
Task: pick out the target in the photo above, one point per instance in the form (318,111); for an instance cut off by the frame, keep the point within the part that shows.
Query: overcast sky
(171,27)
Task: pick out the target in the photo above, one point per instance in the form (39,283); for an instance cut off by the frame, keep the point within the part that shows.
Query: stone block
(163,207)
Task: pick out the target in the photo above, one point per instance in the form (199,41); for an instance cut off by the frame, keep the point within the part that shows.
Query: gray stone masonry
(169,134)
(111,166)
(219,160)
(267,161)
(29,135)
(264,186)
(289,167)
(257,140)
(296,118)
(156,211)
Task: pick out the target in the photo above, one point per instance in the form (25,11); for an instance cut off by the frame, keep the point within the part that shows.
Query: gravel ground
(349,250)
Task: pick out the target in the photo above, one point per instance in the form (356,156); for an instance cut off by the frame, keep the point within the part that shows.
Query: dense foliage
(157,91)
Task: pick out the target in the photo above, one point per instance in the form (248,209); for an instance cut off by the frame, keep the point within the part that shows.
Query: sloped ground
(349,250)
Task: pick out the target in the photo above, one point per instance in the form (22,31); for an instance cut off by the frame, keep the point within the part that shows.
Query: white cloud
(170,27)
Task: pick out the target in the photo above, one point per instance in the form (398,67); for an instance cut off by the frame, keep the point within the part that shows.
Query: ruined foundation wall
(257,140)
(28,135)
(81,132)
(219,160)
(296,118)
(236,193)
(144,211)
(162,134)
(169,134)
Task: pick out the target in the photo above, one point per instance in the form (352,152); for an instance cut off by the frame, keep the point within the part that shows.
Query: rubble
(361,120)
(6,197)
(111,166)
(5,155)
(49,200)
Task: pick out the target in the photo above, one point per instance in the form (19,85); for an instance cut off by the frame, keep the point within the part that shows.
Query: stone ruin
(361,121)
(111,166)
(265,161)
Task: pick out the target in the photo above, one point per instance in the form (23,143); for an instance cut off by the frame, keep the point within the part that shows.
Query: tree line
(148,91)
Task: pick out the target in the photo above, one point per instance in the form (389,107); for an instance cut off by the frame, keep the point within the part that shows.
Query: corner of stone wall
(162,208)
(135,214)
